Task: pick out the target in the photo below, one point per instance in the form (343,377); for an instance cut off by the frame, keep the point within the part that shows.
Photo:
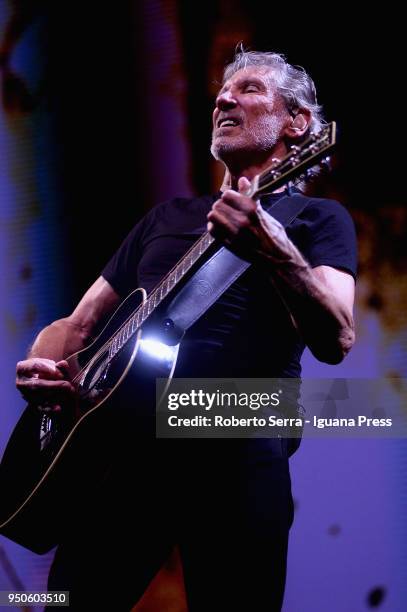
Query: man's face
(249,115)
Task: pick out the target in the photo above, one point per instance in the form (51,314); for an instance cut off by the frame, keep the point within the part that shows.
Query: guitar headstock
(313,151)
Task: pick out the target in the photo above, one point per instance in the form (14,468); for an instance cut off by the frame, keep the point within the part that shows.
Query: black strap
(219,272)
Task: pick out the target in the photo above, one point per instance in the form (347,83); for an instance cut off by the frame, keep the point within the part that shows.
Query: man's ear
(298,125)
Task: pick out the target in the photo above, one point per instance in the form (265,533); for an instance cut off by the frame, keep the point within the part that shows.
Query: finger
(47,408)
(46,385)
(63,366)
(243,185)
(210,227)
(239,202)
(41,368)
(37,387)
(236,220)
(220,226)
(231,220)
(234,215)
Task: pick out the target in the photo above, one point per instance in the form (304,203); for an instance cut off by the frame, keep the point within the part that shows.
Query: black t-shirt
(248,331)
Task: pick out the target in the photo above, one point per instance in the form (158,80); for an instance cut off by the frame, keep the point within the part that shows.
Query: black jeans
(226,503)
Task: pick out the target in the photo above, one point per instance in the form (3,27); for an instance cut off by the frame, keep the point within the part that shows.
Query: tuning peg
(325,163)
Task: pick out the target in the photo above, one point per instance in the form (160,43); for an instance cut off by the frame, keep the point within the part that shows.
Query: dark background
(95,82)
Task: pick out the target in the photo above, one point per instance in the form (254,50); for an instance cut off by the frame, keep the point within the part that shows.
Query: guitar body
(53,463)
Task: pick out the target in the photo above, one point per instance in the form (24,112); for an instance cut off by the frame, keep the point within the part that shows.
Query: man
(231,510)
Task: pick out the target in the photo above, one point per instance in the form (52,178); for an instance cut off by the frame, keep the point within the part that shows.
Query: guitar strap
(217,274)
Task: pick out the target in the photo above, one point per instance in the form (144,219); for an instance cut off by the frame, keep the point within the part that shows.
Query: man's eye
(251,88)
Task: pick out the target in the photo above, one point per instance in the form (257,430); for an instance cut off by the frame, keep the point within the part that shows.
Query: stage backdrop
(105,110)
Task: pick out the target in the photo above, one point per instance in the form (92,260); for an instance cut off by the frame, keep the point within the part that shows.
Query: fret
(145,309)
(127,331)
(141,316)
(195,254)
(143,312)
(120,340)
(150,305)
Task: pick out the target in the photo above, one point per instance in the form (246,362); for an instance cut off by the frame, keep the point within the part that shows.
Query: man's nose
(225,100)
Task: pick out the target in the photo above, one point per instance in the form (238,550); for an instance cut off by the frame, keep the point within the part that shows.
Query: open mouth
(228,122)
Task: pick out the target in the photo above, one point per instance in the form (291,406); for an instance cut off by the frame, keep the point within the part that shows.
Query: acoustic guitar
(53,460)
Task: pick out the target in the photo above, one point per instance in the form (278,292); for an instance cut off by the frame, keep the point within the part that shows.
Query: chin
(223,149)
(227,152)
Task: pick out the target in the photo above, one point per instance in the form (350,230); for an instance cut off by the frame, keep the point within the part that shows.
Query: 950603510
(22,598)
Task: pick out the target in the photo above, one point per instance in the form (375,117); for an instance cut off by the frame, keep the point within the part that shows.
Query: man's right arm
(42,373)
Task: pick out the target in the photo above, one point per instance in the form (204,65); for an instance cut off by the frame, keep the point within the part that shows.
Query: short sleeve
(328,236)
(121,270)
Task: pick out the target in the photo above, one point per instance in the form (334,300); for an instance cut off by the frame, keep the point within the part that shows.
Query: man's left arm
(320,299)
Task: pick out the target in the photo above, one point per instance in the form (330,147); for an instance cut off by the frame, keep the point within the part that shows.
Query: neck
(238,167)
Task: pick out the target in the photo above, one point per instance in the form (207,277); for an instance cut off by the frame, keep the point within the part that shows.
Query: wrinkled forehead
(261,73)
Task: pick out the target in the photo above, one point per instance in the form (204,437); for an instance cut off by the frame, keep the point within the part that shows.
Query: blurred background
(105,110)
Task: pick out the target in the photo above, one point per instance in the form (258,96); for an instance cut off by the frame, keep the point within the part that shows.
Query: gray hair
(294,85)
